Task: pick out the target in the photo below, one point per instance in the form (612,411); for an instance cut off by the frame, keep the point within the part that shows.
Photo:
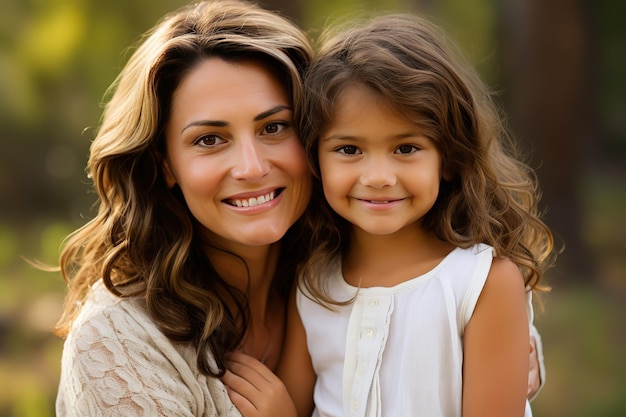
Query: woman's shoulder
(111,323)
(114,330)
(115,350)
(111,316)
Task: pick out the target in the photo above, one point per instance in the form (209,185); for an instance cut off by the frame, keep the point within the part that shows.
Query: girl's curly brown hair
(493,196)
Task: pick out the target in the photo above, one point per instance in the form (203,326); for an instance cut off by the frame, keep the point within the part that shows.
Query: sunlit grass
(583,326)
(30,303)
(584,345)
(29,384)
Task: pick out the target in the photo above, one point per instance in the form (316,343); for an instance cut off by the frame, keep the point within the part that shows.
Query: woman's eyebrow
(214,123)
(221,123)
(271,111)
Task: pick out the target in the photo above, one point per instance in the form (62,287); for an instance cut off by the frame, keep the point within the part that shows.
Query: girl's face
(232,150)
(378,171)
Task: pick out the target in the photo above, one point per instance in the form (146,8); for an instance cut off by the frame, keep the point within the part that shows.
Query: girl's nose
(378,173)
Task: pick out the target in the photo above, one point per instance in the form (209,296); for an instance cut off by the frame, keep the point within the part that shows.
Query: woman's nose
(251,162)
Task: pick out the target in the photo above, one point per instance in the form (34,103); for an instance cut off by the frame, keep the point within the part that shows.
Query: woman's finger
(243,375)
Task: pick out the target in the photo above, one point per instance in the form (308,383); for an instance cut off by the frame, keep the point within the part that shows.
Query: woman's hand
(534,379)
(254,389)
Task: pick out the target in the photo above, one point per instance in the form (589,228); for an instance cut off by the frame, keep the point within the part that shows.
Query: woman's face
(232,149)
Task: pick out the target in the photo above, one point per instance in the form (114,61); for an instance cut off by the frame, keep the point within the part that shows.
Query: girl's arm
(295,367)
(496,346)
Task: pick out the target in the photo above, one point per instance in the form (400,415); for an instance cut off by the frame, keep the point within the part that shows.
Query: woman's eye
(209,141)
(274,128)
(348,150)
(402,149)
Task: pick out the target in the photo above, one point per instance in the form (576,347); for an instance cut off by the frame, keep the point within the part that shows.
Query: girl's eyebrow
(397,138)
(339,137)
(222,123)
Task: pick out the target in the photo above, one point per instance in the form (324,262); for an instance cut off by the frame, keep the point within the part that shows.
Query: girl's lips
(380,200)
(380,204)
(254,201)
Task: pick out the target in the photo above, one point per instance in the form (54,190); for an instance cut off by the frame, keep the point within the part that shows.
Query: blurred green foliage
(57,57)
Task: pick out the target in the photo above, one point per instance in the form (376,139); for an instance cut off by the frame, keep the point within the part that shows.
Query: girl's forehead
(361,113)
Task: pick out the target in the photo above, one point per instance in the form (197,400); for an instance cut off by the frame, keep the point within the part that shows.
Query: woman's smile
(254,201)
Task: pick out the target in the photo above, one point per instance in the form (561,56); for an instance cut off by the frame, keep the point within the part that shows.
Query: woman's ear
(170,179)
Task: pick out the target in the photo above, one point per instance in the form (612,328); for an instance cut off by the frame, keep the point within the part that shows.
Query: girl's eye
(209,141)
(274,127)
(403,149)
(348,150)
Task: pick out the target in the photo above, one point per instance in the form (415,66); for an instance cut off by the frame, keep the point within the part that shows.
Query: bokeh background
(558,67)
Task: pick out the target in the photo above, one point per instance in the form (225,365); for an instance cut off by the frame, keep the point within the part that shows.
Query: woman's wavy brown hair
(143,241)
(492,197)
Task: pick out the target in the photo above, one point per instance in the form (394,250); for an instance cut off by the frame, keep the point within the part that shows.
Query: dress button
(374,302)
(369,333)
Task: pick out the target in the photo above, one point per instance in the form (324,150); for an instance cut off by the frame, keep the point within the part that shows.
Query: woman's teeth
(254,201)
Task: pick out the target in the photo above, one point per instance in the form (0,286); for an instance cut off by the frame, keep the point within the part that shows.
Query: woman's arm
(295,367)
(495,347)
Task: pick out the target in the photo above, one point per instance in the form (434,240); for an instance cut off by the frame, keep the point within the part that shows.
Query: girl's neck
(388,260)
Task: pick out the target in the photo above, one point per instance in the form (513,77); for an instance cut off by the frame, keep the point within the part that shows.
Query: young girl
(427,240)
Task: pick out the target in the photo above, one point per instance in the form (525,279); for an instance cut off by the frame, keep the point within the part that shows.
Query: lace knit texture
(116,362)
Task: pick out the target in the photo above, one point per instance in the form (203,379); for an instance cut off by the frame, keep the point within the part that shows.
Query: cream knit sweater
(116,362)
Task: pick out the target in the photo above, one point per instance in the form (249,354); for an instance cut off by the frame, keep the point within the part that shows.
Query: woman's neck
(252,271)
(249,269)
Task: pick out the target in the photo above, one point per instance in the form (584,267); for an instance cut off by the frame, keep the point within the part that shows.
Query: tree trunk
(546,55)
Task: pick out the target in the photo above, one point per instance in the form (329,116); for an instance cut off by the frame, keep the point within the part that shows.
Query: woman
(200,174)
